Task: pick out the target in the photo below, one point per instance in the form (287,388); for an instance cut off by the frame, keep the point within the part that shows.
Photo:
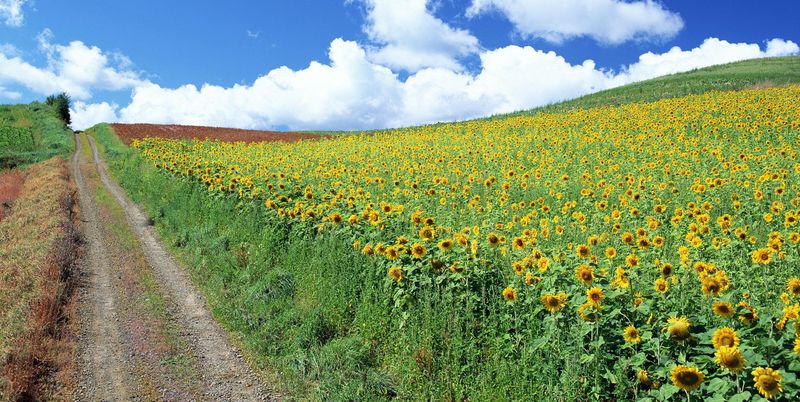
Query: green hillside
(777,71)
(31,133)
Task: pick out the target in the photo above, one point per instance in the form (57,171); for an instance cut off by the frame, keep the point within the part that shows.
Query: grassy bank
(31,133)
(38,250)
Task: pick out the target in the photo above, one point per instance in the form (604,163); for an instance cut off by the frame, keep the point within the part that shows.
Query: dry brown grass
(10,186)
(39,246)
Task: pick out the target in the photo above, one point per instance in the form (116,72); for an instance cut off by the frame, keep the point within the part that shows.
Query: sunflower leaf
(740,397)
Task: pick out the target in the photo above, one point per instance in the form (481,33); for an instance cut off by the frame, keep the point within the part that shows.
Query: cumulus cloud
(10,95)
(607,21)
(11,12)
(354,92)
(409,37)
(86,115)
(711,52)
(74,68)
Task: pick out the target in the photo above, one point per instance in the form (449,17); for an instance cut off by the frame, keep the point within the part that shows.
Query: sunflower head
(446,245)
(678,328)
(687,378)
(427,233)
(631,335)
(725,336)
(594,296)
(768,382)
(723,309)
(588,312)
(417,250)
(583,251)
(554,302)
(793,287)
(585,274)
(661,286)
(396,273)
(730,359)
(762,256)
(510,294)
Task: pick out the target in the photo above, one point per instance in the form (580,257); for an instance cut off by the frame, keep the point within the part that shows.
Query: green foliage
(61,103)
(32,133)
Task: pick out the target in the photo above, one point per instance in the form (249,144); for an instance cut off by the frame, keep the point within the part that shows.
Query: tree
(61,102)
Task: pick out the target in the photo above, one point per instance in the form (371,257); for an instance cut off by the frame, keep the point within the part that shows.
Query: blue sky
(359,64)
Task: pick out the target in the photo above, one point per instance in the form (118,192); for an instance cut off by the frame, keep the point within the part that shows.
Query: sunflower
(768,382)
(392,253)
(531,279)
(518,243)
(793,286)
(588,312)
(643,377)
(583,251)
(336,218)
(632,260)
(543,263)
(725,336)
(762,256)
(611,252)
(418,250)
(493,239)
(797,346)
(730,358)
(631,334)
(353,219)
(510,294)
(368,250)
(666,269)
(594,296)
(396,273)
(750,315)
(427,233)
(457,268)
(585,274)
(519,267)
(446,245)
(678,328)
(712,286)
(723,309)
(661,286)
(554,302)
(687,378)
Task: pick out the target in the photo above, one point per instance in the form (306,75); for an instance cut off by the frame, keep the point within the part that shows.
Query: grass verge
(39,253)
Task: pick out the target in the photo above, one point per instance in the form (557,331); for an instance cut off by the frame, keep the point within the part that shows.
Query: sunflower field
(647,251)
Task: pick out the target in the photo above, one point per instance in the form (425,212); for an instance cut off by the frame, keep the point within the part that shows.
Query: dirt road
(113,358)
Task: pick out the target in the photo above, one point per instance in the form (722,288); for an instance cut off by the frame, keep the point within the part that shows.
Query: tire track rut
(104,372)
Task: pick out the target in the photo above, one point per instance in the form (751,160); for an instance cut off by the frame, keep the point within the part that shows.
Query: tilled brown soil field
(129,132)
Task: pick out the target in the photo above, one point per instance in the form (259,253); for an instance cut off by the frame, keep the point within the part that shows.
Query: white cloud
(11,12)
(353,92)
(711,52)
(75,68)
(86,115)
(607,21)
(348,92)
(410,37)
(10,95)
(780,47)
